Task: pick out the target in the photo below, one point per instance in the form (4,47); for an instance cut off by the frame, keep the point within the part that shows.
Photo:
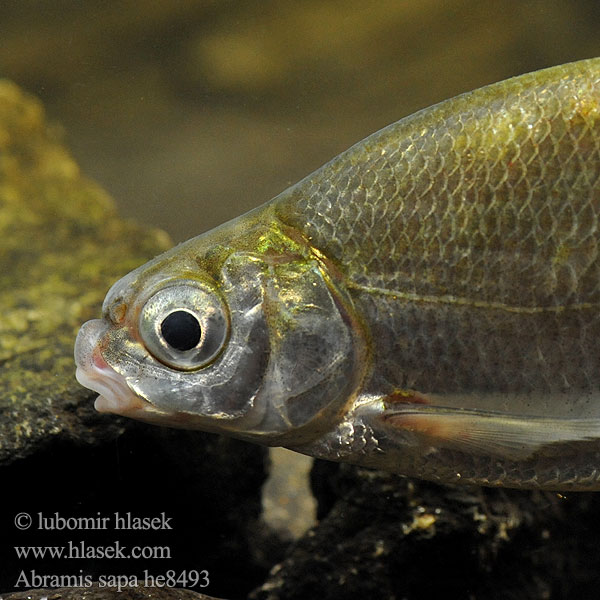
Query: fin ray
(486,432)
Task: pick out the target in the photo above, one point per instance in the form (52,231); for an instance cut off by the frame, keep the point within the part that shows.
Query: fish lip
(94,373)
(114,393)
(116,397)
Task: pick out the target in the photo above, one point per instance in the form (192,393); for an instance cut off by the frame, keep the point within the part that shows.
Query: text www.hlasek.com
(77,550)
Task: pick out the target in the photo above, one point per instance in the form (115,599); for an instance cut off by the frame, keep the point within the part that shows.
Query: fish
(426,303)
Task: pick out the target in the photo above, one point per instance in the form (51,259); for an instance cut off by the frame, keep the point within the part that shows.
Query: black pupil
(181,330)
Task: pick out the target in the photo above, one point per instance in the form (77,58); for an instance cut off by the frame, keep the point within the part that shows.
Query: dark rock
(383,536)
(96,593)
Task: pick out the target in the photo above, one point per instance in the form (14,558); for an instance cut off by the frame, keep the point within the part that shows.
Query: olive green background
(192,112)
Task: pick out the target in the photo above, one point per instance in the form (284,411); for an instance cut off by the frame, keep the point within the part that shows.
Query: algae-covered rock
(61,247)
(384,536)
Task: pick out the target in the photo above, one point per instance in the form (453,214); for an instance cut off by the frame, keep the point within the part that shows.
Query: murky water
(190,113)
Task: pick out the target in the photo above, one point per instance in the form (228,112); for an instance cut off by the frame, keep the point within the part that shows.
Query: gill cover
(271,350)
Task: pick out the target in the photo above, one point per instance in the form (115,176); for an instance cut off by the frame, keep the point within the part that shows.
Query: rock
(383,536)
(61,247)
(96,593)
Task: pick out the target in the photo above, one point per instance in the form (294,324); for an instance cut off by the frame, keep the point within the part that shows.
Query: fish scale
(452,225)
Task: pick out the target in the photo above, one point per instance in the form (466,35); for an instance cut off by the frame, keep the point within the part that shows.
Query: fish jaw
(94,373)
(115,395)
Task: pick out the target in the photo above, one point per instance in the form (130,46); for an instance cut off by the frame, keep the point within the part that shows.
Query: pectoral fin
(514,437)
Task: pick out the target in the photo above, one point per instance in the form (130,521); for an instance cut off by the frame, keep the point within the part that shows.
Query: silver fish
(427,303)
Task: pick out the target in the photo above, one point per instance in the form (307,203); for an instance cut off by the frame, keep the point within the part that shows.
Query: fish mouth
(94,373)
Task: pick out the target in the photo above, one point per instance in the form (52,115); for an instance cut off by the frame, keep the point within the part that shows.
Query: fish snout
(94,373)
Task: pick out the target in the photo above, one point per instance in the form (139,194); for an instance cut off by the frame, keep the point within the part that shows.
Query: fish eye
(184,325)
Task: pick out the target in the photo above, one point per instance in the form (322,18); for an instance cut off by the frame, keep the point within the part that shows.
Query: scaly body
(428,302)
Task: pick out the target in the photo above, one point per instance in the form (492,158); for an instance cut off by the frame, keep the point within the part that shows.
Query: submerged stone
(114,593)
(61,246)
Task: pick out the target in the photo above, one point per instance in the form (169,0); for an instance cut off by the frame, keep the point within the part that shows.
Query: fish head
(249,338)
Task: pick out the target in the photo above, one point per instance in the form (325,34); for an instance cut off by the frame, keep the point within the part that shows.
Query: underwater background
(192,112)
